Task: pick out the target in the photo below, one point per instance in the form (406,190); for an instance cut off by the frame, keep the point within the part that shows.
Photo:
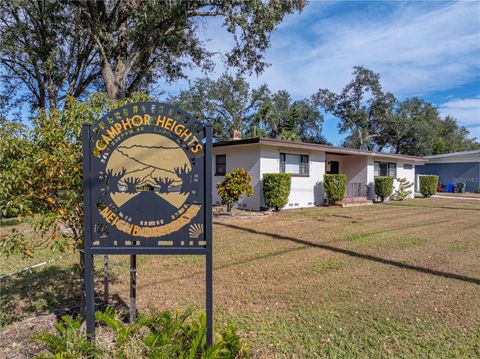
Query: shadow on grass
(359,255)
(52,289)
(305,244)
(40,291)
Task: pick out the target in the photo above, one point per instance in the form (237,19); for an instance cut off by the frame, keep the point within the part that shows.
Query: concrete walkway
(457,197)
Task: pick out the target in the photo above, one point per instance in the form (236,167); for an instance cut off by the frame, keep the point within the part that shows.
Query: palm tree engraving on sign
(132,184)
(163,184)
(185,175)
(149,175)
(113,179)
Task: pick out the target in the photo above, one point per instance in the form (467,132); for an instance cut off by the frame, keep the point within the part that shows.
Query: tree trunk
(115,77)
(112,82)
(360,138)
(52,96)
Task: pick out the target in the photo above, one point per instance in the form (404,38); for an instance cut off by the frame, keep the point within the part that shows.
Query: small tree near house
(235,185)
(403,189)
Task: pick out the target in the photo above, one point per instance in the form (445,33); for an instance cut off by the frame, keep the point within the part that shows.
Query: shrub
(460,187)
(235,185)
(276,189)
(383,187)
(403,189)
(477,190)
(159,335)
(334,187)
(428,185)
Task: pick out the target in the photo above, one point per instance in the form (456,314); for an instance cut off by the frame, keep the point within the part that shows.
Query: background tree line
(371,118)
(376,120)
(229,104)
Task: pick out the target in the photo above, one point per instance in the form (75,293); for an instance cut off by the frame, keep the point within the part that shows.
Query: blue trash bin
(451,187)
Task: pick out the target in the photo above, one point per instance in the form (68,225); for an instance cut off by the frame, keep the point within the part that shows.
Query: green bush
(276,189)
(334,187)
(428,185)
(460,187)
(235,185)
(383,187)
(159,335)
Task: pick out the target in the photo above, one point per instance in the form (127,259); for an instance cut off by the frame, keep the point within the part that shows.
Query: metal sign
(147,188)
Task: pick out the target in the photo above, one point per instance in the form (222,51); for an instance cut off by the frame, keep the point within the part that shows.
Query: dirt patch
(16,339)
(220,213)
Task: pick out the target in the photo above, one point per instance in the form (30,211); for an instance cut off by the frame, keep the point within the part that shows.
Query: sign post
(147,180)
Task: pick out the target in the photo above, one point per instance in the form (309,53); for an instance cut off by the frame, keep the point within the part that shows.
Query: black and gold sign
(147,182)
(147,177)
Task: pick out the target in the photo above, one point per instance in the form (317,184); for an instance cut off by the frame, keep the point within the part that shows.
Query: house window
(407,166)
(220,165)
(387,169)
(294,164)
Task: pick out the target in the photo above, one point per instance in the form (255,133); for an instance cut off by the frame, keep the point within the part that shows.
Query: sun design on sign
(195,230)
(148,175)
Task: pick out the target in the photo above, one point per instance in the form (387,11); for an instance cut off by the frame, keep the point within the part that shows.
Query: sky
(427,49)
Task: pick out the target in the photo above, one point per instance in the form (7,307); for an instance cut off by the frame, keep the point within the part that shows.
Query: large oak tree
(282,117)
(360,107)
(375,120)
(227,103)
(51,49)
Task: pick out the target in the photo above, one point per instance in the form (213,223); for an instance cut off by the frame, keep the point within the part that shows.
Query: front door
(334,168)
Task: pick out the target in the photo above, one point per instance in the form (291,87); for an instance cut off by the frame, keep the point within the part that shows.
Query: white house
(307,162)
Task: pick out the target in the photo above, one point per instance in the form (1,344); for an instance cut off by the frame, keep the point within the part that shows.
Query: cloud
(417,50)
(466,111)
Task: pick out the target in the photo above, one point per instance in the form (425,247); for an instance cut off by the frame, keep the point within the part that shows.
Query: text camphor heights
(167,123)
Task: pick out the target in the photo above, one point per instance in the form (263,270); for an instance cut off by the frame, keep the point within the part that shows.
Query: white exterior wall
(401,173)
(305,191)
(371,178)
(408,174)
(239,156)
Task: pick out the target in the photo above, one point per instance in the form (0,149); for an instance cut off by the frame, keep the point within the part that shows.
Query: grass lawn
(400,279)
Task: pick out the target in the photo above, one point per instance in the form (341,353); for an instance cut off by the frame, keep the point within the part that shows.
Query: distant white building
(307,162)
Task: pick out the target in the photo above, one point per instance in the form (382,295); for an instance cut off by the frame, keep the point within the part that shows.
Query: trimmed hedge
(276,189)
(334,187)
(428,185)
(383,186)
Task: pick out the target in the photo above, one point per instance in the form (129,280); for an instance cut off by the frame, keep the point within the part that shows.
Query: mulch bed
(220,212)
